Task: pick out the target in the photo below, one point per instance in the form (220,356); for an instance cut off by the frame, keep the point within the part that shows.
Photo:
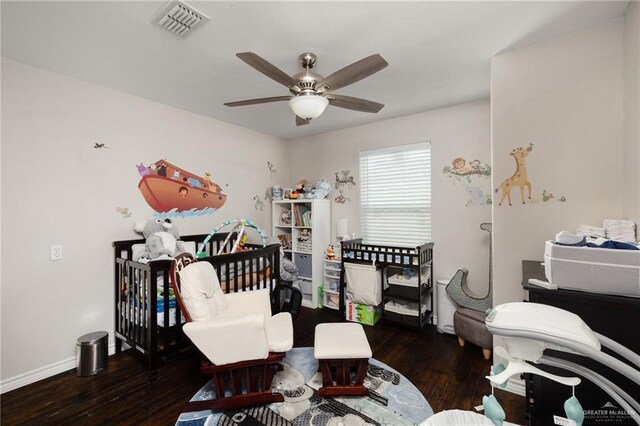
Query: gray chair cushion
(469,324)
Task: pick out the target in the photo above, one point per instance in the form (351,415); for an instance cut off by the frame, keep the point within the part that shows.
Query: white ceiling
(438,52)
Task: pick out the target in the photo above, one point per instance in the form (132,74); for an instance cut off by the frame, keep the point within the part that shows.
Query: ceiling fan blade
(267,68)
(301,121)
(352,73)
(356,104)
(258,101)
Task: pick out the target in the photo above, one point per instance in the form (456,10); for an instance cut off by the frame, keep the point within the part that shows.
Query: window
(396,195)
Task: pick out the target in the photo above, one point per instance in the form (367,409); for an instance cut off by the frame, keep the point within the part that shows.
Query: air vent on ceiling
(179,18)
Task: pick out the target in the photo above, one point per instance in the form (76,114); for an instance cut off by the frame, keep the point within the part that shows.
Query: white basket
(305,246)
(593,270)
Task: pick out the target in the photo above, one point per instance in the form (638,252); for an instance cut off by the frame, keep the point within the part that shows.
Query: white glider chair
(241,342)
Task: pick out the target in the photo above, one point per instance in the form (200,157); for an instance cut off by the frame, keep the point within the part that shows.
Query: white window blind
(396,195)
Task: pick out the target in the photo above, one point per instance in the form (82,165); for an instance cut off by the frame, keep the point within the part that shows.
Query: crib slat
(243,266)
(167,308)
(252,278)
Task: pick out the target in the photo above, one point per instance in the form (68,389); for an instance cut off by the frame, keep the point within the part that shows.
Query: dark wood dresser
(613,316)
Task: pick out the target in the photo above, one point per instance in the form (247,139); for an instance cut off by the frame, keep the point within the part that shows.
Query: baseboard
(308,304)
(515,386)
(42,373)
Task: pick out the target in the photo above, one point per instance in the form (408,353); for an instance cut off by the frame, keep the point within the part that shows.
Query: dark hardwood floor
(449,377)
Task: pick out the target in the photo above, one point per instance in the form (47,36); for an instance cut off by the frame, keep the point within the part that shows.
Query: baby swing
(527,330)
(459,291)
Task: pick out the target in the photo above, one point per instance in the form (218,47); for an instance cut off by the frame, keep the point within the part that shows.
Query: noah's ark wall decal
(172,191)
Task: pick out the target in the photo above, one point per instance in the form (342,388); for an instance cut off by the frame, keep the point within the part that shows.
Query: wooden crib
(146,316)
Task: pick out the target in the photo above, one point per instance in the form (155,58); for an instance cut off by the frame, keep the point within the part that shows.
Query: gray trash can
(92,354)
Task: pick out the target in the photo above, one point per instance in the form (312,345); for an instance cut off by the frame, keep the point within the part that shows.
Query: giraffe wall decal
(519,178)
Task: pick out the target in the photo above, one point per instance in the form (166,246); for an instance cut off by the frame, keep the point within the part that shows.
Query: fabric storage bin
(303,262)
(305,245)
(306,286)
(363,283)
(594,270)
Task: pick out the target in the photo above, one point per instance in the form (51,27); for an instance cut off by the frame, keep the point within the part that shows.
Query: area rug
(394,400)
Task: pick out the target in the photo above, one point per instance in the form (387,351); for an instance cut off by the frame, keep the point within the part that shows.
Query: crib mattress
(140,319)
(259,281)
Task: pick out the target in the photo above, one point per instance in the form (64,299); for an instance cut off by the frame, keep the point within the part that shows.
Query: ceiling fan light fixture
(308,106)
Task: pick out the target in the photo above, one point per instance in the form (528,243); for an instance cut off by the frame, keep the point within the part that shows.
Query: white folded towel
(567,238)
(620,230)
(591,231)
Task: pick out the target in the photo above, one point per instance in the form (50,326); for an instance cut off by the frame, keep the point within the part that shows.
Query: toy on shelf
(301,188)
(321,190)
(305,190)
(330,253)
(284,242)
(276,192)
(285,217)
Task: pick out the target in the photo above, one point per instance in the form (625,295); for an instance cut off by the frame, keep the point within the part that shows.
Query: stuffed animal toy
(330,253)
(288,269)
(322,189)
(162,239)
(304,235)
(307,190)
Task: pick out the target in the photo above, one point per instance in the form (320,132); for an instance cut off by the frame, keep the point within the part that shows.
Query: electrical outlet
(56,252)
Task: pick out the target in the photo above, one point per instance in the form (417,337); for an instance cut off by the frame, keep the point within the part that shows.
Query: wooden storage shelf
(309,236)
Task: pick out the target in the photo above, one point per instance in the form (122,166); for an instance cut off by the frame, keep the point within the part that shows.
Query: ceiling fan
(311,92)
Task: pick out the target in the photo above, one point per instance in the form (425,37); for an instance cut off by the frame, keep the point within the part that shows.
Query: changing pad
(594,270)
